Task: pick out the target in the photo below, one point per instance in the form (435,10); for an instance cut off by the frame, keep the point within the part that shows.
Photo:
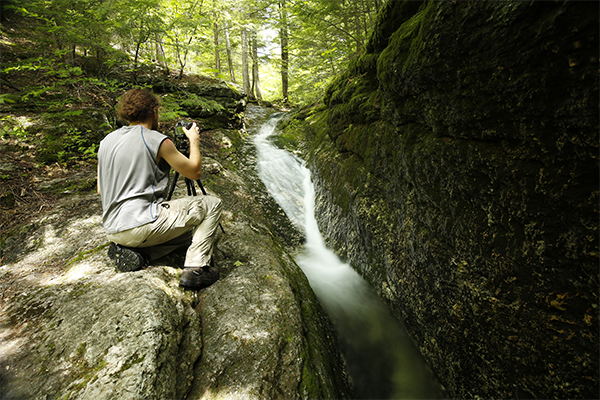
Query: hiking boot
(198,278)
(125,258)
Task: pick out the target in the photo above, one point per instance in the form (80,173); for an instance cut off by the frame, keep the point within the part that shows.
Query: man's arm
(189,167)
(98,180)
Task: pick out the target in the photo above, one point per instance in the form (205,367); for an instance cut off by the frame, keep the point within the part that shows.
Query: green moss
(128,365)
(80,352)
(194,101)
(73,187)
(234,89)
(80,256)
(406,44)
(80,290)
(82,371)
(88,375)
(287,141)
(309,386)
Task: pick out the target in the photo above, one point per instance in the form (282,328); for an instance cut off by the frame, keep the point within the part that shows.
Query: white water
(381,360)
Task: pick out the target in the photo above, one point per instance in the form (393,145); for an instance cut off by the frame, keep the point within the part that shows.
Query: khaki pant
(189,219)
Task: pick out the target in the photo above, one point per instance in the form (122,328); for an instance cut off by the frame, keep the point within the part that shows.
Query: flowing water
(382,361)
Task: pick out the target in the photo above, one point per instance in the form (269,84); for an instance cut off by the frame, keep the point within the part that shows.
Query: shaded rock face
(73,327)
(456,167)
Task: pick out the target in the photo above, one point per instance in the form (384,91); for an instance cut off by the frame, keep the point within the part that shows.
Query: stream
(381,360)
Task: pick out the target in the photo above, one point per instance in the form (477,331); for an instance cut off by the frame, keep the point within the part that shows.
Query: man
(133,176)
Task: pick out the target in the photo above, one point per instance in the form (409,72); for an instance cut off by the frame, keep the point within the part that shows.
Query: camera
(183,124)
(181,142)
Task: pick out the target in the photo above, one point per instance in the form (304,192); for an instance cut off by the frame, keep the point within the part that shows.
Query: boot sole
(127,261)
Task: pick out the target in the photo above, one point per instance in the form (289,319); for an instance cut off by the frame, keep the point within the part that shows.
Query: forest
(285,50)
(64,65)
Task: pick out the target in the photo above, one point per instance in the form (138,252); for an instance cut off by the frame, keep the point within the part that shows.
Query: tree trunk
(359,33)
(137,52)
(255,78)
(285,57)
(245,75)
(183,60)
(229,58)
(160,54)
(217,58)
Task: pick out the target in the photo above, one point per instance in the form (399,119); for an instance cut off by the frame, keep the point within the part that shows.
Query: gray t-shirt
(132,184)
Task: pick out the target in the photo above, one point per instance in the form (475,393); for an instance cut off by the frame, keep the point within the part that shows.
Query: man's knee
(214,204)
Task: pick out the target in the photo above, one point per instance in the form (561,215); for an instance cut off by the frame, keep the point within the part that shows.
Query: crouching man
(133,177)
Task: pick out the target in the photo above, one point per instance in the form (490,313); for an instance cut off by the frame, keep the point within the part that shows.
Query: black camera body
(181,142)
(183,124)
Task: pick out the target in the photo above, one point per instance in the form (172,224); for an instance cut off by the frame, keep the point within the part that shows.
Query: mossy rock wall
(456,167)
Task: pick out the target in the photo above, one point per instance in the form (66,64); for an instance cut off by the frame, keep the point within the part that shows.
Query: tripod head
(183,145)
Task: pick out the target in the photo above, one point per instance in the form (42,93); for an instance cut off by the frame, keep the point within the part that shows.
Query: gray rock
(73,327)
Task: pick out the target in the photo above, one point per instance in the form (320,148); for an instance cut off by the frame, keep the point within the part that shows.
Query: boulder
(73,327)
(213,102)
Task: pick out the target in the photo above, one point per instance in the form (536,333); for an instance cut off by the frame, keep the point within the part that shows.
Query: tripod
(182,145)
(191,190)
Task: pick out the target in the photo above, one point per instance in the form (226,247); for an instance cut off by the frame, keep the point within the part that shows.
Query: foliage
(188,36)
(70,147)
(12,127)
(75,54)
(327,35)
(170,109)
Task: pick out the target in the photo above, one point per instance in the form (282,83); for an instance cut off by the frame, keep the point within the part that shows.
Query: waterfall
(381,360)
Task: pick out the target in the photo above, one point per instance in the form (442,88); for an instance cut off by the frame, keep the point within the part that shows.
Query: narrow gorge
(456,168)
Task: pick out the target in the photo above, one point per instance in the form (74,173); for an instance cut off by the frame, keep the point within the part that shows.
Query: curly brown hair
(137,105)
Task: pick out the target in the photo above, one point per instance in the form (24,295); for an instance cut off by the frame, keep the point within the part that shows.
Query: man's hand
(193,134)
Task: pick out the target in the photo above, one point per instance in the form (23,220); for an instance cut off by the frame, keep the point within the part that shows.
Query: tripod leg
(190,187)
(172,189)
(199,182)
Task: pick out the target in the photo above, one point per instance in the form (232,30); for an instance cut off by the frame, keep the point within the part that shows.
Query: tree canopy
(277,49)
